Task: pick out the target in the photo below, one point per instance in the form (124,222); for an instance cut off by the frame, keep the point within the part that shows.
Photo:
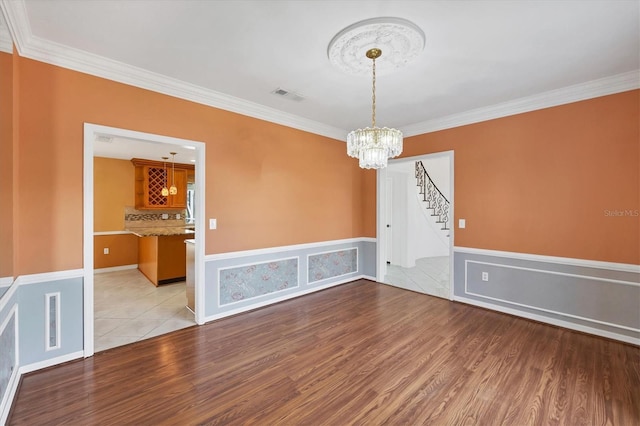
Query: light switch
(165,215)
(213,223)
(461,223)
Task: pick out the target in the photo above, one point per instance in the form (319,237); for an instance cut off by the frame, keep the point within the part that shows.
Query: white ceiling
(480,56)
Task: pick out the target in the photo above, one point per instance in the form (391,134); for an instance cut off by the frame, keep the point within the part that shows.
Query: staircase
(431,195)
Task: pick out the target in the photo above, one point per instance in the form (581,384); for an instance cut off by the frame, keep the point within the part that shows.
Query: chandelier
(402,42)
(373,146)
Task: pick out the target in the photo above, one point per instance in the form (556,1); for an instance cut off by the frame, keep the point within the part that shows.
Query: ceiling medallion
(400,40)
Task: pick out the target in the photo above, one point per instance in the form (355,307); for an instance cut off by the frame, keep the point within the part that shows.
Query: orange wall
(268,185)
(540,182)
(113,190)
(123,250)
(6,165)
(535,183)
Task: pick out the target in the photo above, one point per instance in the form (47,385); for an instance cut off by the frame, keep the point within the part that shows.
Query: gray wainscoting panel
(32,321)
(597,298)
(233,283)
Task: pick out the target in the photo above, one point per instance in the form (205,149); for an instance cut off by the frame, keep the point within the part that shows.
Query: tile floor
(128,308)
(429,276)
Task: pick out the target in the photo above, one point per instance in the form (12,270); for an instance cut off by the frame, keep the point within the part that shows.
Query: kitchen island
(162,253)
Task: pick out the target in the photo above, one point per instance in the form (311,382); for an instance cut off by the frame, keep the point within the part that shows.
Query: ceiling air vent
(288,94)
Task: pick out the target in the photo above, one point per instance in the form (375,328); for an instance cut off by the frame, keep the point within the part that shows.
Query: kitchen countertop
(159,231)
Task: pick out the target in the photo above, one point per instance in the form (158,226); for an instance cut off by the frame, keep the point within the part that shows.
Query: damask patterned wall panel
(250,281)
(8,351)
(332,264)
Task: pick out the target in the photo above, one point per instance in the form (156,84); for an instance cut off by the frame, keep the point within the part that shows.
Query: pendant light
(349,51)
(173,190)
(374,145)
(165,190)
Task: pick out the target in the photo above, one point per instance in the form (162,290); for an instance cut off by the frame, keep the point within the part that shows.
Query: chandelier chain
(373,96)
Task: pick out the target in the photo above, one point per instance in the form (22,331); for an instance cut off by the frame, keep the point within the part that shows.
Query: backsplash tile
(152,218)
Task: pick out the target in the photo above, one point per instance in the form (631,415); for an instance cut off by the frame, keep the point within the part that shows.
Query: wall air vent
(288,94)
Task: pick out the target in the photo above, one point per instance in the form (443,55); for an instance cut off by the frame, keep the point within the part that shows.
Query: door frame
(91,131)
(381,203)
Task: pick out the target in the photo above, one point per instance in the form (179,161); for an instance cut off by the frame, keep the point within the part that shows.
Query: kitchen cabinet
(151,177)
(162,258)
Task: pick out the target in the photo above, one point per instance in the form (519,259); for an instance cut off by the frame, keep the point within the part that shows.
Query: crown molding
(577,92)
(32,47)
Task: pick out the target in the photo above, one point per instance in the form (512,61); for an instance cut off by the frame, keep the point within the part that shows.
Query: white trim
(47,319)
(537,308)
(381,214)
(565,95)
(309,282)
(547,320)
(50,362)
(8,294)
(49,277)
(87,236)
(12,384)
(115,269)
(219,270)
(279,249)
(281,299)
(6,281)
(585,263)
(91,131)
(33,47)
(100,233)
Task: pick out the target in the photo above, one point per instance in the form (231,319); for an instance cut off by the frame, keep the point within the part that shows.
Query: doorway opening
(94,133)
(415,224)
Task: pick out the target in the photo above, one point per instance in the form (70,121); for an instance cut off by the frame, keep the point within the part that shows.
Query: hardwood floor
(360,353)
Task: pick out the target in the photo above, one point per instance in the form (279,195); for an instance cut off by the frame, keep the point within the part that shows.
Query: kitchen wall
(113,190)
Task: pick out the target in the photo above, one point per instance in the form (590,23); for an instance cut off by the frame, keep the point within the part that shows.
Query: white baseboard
(115,269)
(551,321)
(50,362)
(14,381)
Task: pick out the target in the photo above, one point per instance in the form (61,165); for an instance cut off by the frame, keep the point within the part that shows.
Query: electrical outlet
(105,250)
(178,216)
(485,276)
(165,215)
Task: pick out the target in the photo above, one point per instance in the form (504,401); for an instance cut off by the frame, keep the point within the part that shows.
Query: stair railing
(432,195)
